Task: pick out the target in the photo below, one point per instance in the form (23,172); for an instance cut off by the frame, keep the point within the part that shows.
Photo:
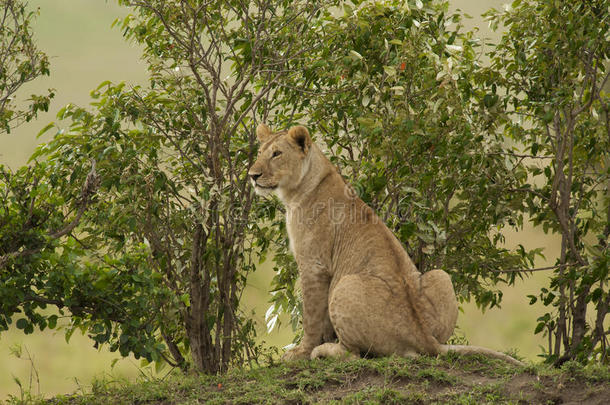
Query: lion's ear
(263,133)
(300,136)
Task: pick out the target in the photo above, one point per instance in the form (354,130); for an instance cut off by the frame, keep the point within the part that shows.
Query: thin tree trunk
(197,329)
(579,319)
(175,352)
(561,333)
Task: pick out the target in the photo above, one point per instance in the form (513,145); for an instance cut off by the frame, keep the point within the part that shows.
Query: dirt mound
(449,379)
(470,380)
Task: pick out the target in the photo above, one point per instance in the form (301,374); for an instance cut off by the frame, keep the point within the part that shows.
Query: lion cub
(359,285)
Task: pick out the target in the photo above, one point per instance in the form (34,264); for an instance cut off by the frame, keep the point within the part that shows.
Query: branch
(174,351)
(529,190)
(537,269)
(520,155)
(75,309)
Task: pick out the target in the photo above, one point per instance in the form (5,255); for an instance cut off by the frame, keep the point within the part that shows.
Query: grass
(425,380)
(48,365)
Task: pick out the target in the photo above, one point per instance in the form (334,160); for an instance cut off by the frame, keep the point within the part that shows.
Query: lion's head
(282,159)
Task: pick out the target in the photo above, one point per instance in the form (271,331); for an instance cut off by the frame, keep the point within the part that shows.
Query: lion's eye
(276,153)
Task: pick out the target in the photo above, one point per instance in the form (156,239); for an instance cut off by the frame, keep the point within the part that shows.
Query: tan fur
(358,282)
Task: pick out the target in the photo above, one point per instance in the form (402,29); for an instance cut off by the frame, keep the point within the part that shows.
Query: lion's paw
(298,353)
(333,350)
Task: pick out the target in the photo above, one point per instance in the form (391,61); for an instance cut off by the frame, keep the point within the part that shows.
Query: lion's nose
(255,176)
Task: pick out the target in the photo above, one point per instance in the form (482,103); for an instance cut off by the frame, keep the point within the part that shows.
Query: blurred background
(84,51)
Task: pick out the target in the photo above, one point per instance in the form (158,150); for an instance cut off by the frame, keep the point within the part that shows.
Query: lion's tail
(463,349)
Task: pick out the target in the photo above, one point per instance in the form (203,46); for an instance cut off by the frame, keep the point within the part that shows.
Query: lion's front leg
(317,327)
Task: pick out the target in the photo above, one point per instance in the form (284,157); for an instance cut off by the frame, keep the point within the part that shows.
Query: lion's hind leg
(441,303)
(369,316)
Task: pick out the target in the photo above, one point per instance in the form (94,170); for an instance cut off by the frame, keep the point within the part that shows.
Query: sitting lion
(359,285)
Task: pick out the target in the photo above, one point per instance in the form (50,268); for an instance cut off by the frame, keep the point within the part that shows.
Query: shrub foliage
(138,224)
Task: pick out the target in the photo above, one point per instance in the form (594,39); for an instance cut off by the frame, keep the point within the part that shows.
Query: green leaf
(45,129)
(52,321)
(489,100)
(97,328)
(367,122)
(390,70)
(69,333)
(186,299)
(355,54)
(548,116)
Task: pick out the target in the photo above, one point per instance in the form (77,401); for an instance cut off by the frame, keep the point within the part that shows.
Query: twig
(520,155)
(537,269)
